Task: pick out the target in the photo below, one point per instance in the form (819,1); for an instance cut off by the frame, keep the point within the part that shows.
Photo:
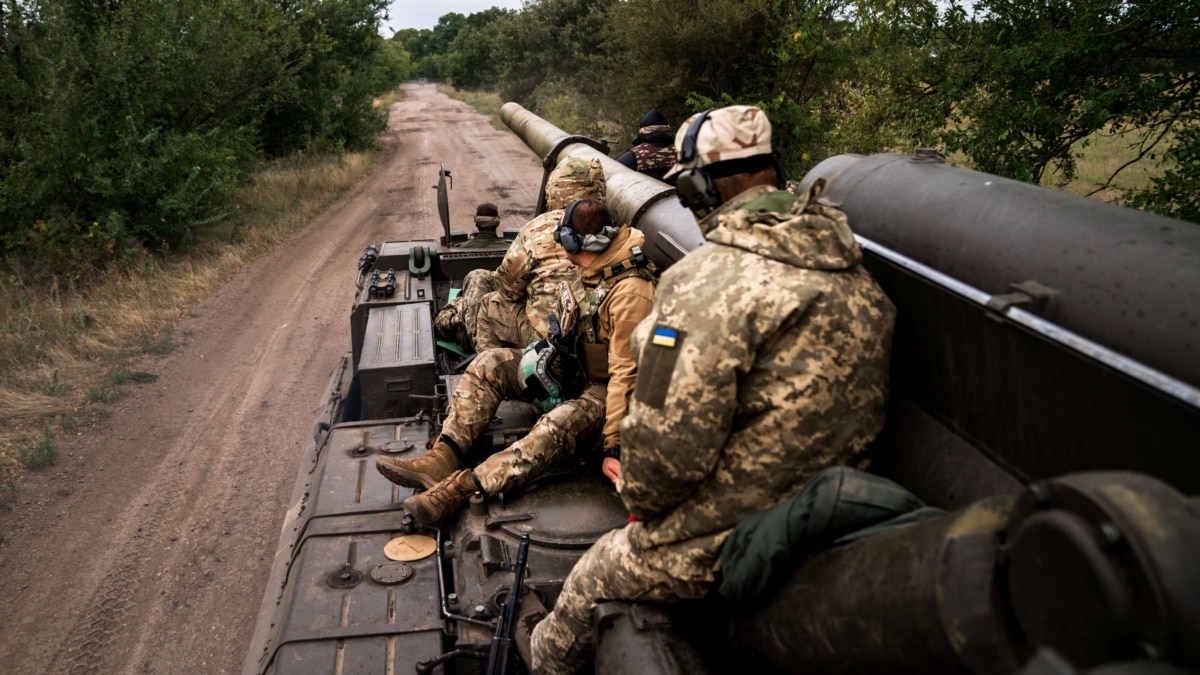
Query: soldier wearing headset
(763,361)
(580,378)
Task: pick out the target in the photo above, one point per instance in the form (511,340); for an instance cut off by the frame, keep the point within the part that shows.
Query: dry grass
(387,99)
(486,103)
(1104,153)
(66,348)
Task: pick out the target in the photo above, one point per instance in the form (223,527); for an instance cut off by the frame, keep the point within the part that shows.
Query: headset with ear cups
(694,187)
(565,234)
(574,242)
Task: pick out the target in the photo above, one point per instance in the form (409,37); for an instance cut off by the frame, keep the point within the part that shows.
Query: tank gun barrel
(637,199)
(1124,278)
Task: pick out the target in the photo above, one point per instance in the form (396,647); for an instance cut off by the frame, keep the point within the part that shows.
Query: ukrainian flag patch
(665,337)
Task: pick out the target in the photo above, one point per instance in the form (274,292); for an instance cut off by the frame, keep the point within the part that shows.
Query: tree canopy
(1012,87)
(127,124)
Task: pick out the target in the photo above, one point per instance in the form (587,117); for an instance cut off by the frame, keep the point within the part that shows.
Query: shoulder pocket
(656,366)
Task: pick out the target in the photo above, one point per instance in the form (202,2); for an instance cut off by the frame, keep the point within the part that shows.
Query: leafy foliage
(1024,83)
(128,126)
(1018,88)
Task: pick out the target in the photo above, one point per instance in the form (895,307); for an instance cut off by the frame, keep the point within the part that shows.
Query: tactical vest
(592,352)
(654,160)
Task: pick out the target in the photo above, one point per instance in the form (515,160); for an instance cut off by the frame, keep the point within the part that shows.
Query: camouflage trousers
(501,322)
(612,569)
(458,320)
(494,376)
(482,318)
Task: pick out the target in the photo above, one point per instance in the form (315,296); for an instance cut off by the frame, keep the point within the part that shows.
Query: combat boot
(444,499)
(424,471)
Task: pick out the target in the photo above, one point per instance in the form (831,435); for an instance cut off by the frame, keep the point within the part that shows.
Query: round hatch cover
(409,547)
(562,510)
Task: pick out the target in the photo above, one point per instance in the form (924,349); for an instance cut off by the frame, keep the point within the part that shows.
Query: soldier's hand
(611,468)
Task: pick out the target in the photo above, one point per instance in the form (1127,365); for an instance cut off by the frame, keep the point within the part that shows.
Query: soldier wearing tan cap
(764,360)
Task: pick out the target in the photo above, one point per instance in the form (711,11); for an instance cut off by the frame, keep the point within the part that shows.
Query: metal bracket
(1029,295)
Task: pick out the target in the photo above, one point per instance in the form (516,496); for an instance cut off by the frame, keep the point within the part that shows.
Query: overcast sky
(425,13)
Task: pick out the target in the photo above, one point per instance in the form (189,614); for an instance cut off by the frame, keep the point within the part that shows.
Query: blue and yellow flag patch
(664,337)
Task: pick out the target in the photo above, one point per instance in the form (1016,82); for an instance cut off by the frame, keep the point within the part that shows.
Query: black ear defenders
(565,234)
(694,187)
(688,152)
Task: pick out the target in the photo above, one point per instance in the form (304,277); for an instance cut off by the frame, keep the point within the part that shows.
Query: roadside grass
(387,99)
(1102,153)
(486,103)
(68,348)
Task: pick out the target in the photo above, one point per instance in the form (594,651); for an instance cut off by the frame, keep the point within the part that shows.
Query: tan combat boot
(424,471)
(444,499)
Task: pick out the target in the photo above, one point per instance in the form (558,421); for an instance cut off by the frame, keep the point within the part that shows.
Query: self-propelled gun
(1045,403)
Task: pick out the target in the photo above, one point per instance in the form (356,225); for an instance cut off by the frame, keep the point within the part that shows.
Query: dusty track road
(146,547)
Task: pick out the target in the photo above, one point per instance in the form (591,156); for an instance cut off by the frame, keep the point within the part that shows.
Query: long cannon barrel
(1126,279)
(637,199)
(1039,332)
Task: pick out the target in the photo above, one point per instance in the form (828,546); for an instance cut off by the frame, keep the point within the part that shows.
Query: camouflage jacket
(533,267)
(764,360)
(624,300)
(654,160)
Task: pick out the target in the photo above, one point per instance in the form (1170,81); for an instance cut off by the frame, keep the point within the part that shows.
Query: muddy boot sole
(406,478)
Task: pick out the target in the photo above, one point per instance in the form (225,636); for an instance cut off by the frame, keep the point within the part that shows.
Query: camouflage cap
(574,178)
(733,132)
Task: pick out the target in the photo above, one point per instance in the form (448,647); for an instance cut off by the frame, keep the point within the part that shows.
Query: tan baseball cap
(732,132)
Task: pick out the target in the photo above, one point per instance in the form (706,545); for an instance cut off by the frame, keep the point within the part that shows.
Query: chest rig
(592,351)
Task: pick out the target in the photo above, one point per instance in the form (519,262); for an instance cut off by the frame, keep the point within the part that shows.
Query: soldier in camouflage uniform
(653,151)
(508,307)
(487,224)
(452,322)
(617,290)
(458,319)
(764,360)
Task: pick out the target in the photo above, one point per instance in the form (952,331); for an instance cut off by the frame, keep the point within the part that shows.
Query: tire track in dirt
(146,548)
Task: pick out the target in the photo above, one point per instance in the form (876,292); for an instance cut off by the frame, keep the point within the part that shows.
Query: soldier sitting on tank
(579,391)
(653,151)
(508,307)
(763,361)
(487,224)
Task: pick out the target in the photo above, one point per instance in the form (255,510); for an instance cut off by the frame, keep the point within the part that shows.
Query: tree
(790,58)
(1023,83)
(471,57)
(550,50)
(129,124)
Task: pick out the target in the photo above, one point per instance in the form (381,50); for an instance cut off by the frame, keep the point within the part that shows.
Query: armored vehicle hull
(1044,394)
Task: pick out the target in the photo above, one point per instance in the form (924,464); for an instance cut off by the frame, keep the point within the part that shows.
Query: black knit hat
(654,118)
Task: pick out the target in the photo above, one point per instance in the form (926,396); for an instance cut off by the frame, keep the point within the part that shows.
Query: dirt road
(146,547)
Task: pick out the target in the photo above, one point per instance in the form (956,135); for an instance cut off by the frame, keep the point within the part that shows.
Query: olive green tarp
(836,506)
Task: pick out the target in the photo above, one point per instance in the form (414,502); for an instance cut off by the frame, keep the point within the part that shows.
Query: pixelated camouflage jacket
(764,360)
(533,267)
(624,300)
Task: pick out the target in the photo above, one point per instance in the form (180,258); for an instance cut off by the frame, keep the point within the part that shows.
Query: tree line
(1013,87)
(128,125)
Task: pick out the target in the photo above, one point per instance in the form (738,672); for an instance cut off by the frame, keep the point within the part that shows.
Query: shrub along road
(146,546)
